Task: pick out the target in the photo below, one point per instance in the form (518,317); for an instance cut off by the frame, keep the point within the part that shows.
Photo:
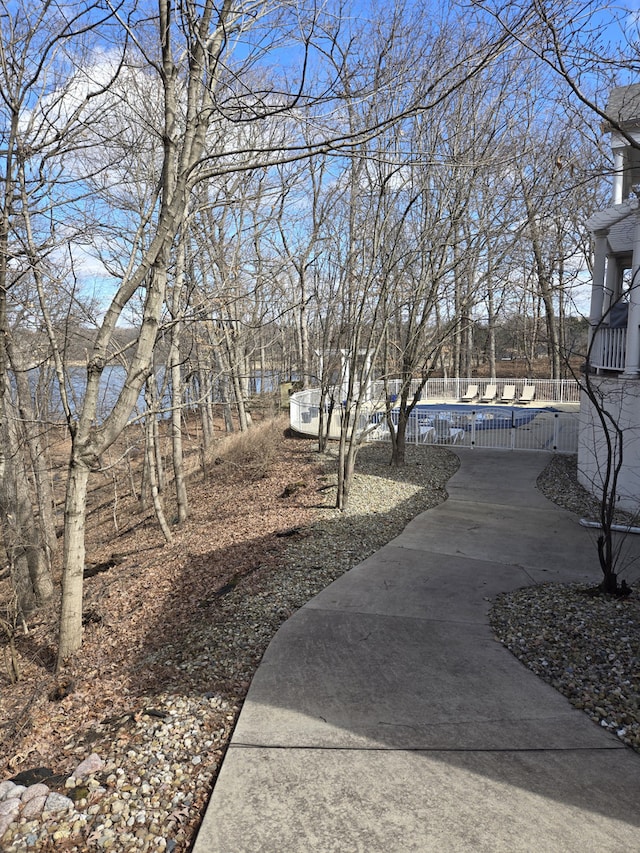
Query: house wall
(620,398)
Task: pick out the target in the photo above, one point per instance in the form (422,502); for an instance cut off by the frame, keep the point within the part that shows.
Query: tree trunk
(553,342)
(326,409)
(346,469)
(176,433)
(74,558)
(21,580)
(151,416)
(303,330)
(399,443)
(161,478)
(205,405)
(145,488)
(21,534)
(243,420)
(491,330)
(38,459)
(176,388)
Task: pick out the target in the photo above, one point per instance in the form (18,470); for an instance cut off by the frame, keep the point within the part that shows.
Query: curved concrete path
(384,716)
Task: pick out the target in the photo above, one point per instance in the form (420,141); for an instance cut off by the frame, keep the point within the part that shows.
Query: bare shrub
(251,453)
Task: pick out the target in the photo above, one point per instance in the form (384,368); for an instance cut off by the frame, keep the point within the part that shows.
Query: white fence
(491,428)
(549,390)
(479,426)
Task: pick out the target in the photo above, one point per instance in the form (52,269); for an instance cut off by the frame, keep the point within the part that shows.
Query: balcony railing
(609,349)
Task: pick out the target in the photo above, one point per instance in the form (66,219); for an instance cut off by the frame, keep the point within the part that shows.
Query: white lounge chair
(490,394)
(427,432)
(508,394)
(528,393)
(445,433)
(470,395)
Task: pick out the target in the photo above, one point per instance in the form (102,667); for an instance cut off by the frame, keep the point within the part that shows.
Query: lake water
(46,389)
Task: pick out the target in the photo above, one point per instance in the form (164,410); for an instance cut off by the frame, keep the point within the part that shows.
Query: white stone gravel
(151,782)
(586,646)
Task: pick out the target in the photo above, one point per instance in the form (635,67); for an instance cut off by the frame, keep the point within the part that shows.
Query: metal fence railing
(491,429)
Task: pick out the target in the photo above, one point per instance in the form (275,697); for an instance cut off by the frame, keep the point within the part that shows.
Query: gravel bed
(585,645)
(559,483)
(137,795)
(157,766)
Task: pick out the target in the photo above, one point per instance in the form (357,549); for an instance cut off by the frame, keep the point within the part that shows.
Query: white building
(614,358)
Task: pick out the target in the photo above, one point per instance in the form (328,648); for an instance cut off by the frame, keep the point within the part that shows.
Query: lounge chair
(470,395)
(490,394)
(508,394)
(427,432)
(445,433)
(528,393)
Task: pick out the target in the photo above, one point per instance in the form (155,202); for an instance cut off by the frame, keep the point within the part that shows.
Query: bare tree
(606,401)
(39,49)
(167,155)
(188,108)
(202,92)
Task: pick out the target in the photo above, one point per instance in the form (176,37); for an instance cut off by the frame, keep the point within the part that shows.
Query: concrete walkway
(384,716)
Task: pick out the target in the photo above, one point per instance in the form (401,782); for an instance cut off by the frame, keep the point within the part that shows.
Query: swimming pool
(468,416)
